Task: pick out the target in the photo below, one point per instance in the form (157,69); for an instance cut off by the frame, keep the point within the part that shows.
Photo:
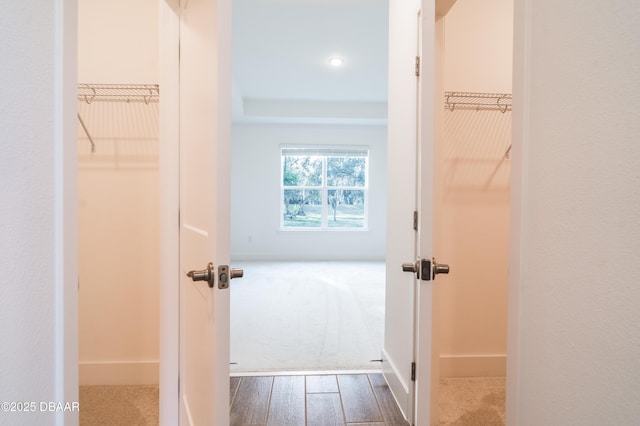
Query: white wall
(118,41)
(118,198)
(256,198)
(479,43)
(574,343)
(38,267)
(472,196)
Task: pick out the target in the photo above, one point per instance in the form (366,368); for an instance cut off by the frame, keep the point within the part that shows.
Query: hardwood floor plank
(287,402)
(324,409)
(366,424)
(233,388)
(358,400)
(390,411)
(252,401)
(322,383)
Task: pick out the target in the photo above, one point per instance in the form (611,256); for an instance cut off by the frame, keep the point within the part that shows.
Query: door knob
(410,267)
(204,275)
(426,269)
(417,268)
(439,268)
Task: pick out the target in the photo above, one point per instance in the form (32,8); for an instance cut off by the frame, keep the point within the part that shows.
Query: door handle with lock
(205,275)
(225,274)
(426,269)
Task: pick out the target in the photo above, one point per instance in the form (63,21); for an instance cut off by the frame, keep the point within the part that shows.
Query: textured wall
(37,233)
(576,336)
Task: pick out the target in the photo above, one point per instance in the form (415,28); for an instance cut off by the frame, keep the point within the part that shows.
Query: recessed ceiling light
(335,61)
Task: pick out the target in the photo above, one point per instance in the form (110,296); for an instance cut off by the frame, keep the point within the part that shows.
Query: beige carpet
(306,316)
(472,401)
(119,406)
(463,402)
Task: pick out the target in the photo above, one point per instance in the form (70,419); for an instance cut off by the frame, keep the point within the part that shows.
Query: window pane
(302,208)
(346,208)
(346,171)
(302,171)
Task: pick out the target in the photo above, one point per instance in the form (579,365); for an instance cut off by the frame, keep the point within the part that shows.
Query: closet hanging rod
(478,101)
(147,93)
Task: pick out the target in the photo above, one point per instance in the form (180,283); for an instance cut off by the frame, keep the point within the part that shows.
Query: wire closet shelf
(147,93)
(478,101)
(128,93)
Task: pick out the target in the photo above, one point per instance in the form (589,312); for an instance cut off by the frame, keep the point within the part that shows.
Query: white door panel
(410,161)
(204,210)
(401,201)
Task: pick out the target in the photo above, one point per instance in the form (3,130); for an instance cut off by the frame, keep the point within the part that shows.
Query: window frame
(326,151)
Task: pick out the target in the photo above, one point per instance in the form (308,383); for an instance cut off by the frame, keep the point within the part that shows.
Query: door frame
(169,176)
(169,11)
(64,191)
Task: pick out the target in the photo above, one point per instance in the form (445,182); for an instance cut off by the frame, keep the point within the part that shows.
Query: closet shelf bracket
(93,145)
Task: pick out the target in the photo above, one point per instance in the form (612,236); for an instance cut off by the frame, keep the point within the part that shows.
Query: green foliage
(302,171)
(302,207)
(346,171)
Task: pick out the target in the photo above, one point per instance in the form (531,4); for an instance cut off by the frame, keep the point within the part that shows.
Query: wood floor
(314,400)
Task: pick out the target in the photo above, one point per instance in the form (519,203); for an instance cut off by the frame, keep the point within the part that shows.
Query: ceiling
(281,70)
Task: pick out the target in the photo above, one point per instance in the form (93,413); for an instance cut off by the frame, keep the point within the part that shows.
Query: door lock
(426,270)
(226,274)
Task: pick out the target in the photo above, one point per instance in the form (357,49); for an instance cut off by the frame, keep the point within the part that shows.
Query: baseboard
(119,373)
(473,365)
(301,373)
(399,388)
(305,257)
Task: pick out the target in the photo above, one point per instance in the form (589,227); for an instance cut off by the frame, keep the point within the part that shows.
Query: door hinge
(415,220)
(413,371)
(417,66)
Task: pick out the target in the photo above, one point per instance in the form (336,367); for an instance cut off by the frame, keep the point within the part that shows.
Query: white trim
(169,34)
(65,304)
(399,388)
(301,373)
(520,131)
(475,365)
(119,373)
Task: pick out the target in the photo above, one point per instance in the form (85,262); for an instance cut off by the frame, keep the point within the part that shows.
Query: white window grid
(324,189)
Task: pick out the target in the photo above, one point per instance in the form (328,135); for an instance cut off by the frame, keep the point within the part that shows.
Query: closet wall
(472,201)
(118,197)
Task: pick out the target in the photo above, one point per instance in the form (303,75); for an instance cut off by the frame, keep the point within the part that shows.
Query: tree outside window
(324,188)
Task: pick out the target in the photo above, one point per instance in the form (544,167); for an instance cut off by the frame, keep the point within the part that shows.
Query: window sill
(316,230)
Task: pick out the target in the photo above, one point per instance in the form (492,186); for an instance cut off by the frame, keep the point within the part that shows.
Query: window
(324,188)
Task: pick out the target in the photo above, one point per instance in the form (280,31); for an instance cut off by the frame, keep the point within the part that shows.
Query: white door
(407,344)
(205,81)
(205,127)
